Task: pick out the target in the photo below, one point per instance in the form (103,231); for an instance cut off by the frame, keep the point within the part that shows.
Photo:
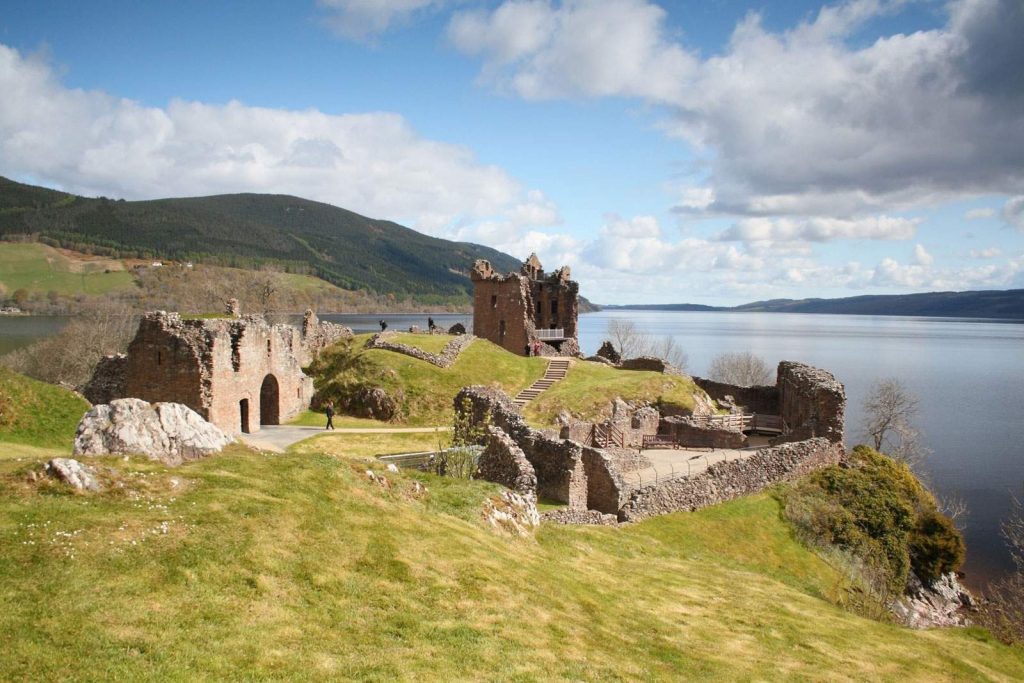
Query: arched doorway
(270,401)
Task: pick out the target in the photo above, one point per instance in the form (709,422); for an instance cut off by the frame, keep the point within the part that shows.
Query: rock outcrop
(73,473)
(169,432)
(939,605)
(512,513)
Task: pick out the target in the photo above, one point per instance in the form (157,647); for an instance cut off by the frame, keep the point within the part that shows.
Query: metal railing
(557,333)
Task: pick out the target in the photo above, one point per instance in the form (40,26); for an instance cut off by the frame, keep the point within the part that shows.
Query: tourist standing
(383,325)
(329,412)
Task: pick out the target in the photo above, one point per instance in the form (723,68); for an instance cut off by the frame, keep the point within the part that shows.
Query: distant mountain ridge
(1004,304)
(344,248)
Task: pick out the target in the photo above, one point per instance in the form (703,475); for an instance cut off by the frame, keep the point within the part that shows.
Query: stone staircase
(557,369)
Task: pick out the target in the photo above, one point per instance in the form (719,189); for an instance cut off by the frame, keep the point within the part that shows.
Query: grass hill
(1004,304)
(348,250)
(247,566)
(36,414)
(428,391)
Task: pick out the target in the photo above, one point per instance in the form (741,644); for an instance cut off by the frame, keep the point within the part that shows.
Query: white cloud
(820,229)
(979,214)
(361,20)
(921,256)
(93,143)
(805,122)
(1013,212)
(580,48)
(991,252)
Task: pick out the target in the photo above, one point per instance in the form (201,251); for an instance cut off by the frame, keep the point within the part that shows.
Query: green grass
(431,343)
(40,268)
(34,413)
(430,390)
(589,388)
(247,566)
(370,445)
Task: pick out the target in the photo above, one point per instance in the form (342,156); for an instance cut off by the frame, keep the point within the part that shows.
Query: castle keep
(518,309)
(238,373)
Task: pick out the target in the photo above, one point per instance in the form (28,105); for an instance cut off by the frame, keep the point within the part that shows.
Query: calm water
(968,375)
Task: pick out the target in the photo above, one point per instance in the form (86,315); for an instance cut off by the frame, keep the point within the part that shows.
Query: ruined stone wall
(108,380)
(503,462)
(690,433)
(759,399)
(212,366)
(812,402)
(317,335)
(445,359)
(728,480)
(501,312)
(555,304)
(606,490)
(558,464)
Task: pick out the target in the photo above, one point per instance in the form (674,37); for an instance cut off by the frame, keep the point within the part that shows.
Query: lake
(967,374)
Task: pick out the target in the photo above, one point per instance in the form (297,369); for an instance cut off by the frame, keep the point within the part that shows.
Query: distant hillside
(1007,304)
(341,247)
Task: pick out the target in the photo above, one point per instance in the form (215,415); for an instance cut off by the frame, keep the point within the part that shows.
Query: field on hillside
(296,566)
(41,268)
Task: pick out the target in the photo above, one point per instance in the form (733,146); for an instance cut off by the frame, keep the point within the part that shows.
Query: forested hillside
(344,248)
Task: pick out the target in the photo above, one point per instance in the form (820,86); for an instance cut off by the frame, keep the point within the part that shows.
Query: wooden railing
(605,436)
(558,333)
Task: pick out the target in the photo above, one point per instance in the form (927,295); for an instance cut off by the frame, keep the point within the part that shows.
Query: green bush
(875,509)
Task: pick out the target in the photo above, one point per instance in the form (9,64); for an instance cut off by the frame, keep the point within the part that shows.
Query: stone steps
(556,371)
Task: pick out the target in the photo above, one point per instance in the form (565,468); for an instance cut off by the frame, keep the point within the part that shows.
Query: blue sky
(710,152)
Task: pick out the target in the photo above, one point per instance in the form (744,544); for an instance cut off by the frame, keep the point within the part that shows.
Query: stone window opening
(501,329)
(269,351)
(540,309)
(494,301)
(159,357)
(554,307)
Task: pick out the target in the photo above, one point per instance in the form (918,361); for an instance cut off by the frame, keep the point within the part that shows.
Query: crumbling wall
(690,433)
(318,335)
(503,462)
(558,464)
(812,402)
(449,354)
(606,490)
(725,481)
(237,373)
(108,380)
(758,399)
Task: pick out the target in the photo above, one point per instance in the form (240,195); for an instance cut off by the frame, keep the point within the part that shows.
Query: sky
(713,152)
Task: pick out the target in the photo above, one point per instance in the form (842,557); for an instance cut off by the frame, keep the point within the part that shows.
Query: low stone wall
(503,462)
(812,402)
(691,434)
(606,491)
(108,380)
(728,480)
(627,459)
(567,516)
(759,399)
(445,359)
(645,363)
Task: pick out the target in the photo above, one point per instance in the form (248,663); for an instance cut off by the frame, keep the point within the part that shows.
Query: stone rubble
(512,513)
(73,473)
(445,359)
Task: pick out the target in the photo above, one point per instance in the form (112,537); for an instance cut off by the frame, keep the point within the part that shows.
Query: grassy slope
(590,387)
(297,567)
(370,445)
(40,268)
(431,343)
(42,415)
(429,390)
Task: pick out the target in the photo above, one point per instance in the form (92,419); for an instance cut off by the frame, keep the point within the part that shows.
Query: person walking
(329,412)
(430,324)
(383,326)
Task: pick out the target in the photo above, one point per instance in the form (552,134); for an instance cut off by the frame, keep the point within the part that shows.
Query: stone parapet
(445,359)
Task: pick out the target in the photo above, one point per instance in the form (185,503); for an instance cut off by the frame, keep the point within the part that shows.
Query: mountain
(351,251)
(1006,304)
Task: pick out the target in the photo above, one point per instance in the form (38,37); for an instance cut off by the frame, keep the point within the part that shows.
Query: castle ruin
(517,310)
(236,372)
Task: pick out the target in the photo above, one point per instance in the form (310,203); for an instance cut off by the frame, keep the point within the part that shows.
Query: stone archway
(270,401)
